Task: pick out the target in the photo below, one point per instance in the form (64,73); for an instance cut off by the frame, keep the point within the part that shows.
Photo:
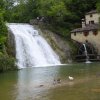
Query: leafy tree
(98,6)
(60,13)
(53,9)
(2,4)
(3,29)
(80,7)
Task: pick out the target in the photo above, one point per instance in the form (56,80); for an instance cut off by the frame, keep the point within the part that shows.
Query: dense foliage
(60,14)
(6,61)
(3,29)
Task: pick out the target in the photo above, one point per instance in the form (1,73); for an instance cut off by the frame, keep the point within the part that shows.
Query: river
(37,83)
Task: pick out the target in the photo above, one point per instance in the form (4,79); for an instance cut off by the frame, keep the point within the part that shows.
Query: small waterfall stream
(86,53)
(31,48)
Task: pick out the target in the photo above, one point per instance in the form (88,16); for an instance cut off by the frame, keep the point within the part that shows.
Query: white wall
(94,17)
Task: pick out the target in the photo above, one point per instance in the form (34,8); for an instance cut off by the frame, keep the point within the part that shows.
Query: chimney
(83,23)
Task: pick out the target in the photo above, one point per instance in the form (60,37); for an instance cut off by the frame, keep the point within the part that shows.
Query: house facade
(90,30)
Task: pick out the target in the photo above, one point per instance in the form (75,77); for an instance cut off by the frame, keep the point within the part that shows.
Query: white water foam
(31,48)
(87,57)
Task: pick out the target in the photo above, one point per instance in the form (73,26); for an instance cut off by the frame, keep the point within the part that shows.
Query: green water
(38,83)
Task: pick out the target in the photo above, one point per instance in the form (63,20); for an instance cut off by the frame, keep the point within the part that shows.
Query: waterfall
(31,48)
(86,53)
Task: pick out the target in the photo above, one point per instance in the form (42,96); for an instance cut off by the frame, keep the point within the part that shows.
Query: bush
(7,63)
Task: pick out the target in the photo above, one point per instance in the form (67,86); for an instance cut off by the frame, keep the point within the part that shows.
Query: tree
(55,10)
(80,7)
(98,6)
(2,24)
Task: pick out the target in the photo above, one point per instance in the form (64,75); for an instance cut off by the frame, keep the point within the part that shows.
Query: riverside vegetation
(60,16)
(6,60)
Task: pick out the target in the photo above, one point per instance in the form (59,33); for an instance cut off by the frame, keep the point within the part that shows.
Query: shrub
(7,63)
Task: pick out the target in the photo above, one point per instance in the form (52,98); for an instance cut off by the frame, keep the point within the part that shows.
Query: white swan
(71,78)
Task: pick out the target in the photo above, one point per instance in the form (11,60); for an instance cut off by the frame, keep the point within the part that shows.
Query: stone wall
(94,39)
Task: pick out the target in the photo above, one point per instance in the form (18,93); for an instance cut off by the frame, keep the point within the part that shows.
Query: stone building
(90,30)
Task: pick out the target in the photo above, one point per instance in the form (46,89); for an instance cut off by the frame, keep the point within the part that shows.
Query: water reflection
(35,82)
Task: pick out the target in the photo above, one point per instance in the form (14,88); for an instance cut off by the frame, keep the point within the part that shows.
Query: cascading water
(87,57)
(31,48)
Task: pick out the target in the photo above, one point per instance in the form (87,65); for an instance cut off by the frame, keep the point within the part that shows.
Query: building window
(75,34)
(95,32)
(86,33)
(91,15)
(92,22)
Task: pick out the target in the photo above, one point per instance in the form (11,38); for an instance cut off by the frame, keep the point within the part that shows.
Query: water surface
(38,83)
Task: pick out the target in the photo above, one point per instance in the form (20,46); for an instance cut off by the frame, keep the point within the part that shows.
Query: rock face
(11,44)
(59,44)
